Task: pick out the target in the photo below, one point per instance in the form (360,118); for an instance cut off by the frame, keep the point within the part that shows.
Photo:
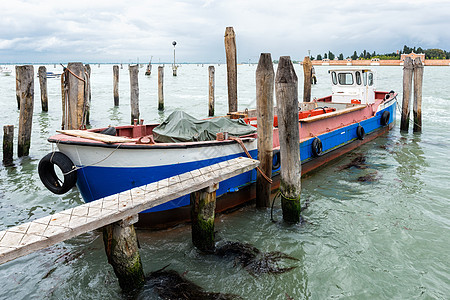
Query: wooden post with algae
(42,71)
(417,105)
(25,78)
(286,89)
(230,50)
(211,71)
(134,92)
(407,82)
(264,107)
(307,73)
(116,85)
(8,140)
(203,205)
(74,94)
(160,88)
(87,70)
(122,250)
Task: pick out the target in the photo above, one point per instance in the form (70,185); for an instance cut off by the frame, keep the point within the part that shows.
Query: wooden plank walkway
(23,239)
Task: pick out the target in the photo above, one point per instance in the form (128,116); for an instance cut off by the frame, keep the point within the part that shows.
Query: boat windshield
(345,78)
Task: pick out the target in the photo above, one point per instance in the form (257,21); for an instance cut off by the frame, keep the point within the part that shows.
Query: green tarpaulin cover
(181,127)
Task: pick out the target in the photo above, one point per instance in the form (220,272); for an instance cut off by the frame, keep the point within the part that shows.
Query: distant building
(413,56)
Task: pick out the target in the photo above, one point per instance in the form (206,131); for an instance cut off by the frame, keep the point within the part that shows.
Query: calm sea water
(387,238)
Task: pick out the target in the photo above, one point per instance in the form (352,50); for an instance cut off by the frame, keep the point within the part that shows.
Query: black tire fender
(316,147)
(276,161)
(48,175)
(360,132)
(384,120)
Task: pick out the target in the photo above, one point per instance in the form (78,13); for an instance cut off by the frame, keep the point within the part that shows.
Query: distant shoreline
(365,62)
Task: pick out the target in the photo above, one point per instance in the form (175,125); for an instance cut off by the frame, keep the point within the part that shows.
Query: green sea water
(385,238)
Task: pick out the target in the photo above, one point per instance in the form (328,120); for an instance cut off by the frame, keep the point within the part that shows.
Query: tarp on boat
(181,127)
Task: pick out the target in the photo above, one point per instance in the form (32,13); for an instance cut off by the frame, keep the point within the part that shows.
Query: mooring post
(87,69)
(8,138)
(25,78)
(211,71)
(407,82)
(160,88)
(203,205)
(286,89)
(417,107)
(134,92)
(17,93)
(116,85)
(307,72)
(122,250)
(230,50)
(42,71)
(264,107)
(75,95)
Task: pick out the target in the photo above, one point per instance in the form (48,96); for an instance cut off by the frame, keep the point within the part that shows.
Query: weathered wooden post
(230,50)
(160,88)
(203,205)
(264,107)
(25,78)
(122,250)
(8,138)
(407,82)
(42,71)
(74,95)
(211,71)
(286,89)
(87,69)
(134,92)
(307,72)
(116,85)
(417,107)
(17,93)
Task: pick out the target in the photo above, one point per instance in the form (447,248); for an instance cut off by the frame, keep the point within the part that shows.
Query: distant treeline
(429,54)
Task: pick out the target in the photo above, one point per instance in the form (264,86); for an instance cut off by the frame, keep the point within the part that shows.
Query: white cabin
(355,86)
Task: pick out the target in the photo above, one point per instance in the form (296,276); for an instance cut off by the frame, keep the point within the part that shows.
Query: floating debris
(253,260)
(358,162)
(370,177)
(168,284)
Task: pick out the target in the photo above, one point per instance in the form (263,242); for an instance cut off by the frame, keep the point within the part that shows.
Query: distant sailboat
(149,67)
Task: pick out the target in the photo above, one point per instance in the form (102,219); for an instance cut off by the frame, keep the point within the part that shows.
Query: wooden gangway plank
(26,238)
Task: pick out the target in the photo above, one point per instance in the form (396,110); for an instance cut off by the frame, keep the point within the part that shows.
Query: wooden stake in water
(116,85)
(264,107)
(25,78)
(407,82)
(286,89)
(75,95)
(134,92)
(42,72)
(203,205)
(160,88)
(87,70)
(8,138)
(307,73)
(417,107)
(122,250)
(211,72)
(230,50)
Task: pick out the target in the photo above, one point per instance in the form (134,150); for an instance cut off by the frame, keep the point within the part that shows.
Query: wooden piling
(87,69)
(8,138)
(116,85)
(286,89)
(42,71)
(417,107)
(134,92)
(203,205)
(230,50)
(122,250)
(264,107)
(25,78)
(160,88)
(211,71)
(75,95)
(17,93)
(307,72)
(407,82)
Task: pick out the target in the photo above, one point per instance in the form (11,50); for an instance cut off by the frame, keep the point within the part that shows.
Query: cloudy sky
(125,31)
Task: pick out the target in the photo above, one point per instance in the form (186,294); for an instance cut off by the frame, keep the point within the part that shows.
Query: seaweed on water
(168,284)
(253,260)
(358,162)
(371,177)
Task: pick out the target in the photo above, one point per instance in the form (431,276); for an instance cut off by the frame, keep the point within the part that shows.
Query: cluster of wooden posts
(411,68)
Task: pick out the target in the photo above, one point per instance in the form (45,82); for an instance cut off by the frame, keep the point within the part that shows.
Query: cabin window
(345,78)
(358,78)
(333,77)
(370,79)
(365,78)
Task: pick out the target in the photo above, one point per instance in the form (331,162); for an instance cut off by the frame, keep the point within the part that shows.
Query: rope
(239,141)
